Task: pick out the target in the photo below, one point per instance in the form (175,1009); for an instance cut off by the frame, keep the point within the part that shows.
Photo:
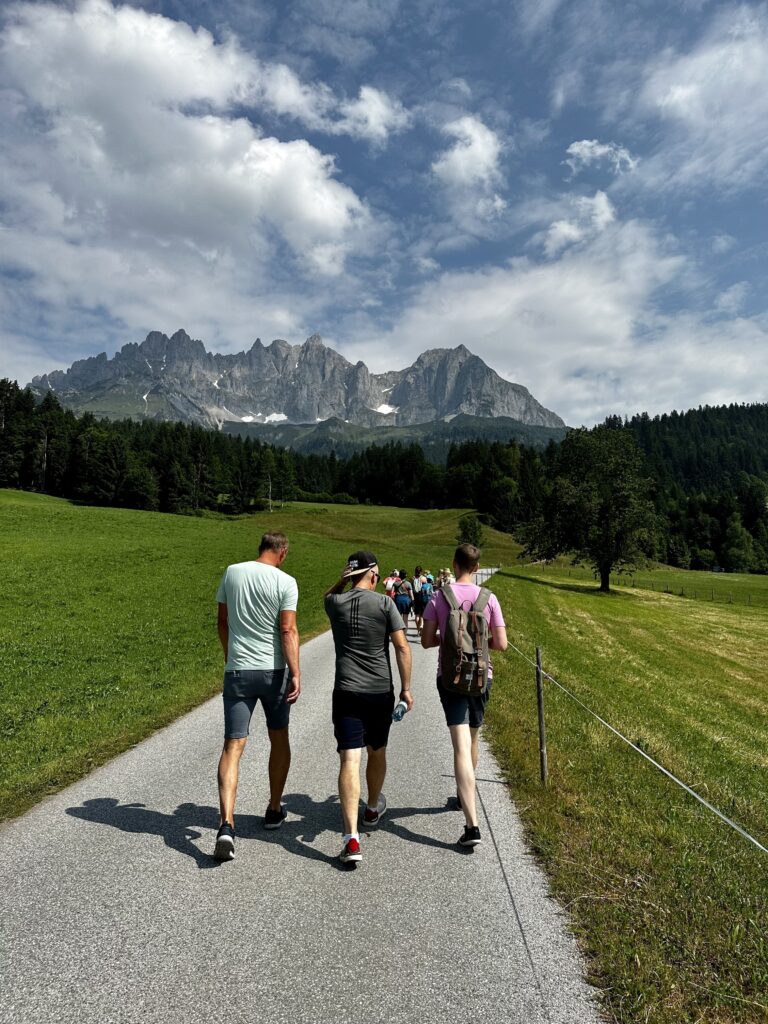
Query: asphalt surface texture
(113,908)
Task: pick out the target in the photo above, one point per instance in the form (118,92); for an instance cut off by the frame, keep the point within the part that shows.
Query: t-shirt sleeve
(289,598)
(496,620)
(221,593)
(394,618)
(430,612)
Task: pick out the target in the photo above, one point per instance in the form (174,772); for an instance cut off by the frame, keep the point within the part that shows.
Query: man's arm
(429,634)
(338,586)
(403,656)
(223,627)
(498,638)
(289,637)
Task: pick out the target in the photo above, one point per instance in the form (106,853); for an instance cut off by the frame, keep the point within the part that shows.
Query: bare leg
(375,772)
(475,733)
(229,764)
(349,788)
(279,763)
(464,770)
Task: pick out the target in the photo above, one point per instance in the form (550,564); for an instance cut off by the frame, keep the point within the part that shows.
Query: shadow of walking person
(178,830)
(181,829)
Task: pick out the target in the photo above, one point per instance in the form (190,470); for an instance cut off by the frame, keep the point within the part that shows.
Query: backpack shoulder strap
(450,597)
(482,600)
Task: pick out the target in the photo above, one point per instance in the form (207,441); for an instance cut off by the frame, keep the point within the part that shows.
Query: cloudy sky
(574,189)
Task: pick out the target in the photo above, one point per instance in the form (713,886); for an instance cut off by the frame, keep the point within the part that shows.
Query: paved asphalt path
(113,910)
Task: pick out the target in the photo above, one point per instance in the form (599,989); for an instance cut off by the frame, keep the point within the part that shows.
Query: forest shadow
(574,588)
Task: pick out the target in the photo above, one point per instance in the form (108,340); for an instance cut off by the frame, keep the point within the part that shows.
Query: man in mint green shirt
(257,629)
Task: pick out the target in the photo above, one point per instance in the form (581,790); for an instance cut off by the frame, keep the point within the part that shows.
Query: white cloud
(714,99)
(732,299)
(586,152)
(470,172)
(589,218)
(722,244)
(473,159)
(373,116)
(134,196)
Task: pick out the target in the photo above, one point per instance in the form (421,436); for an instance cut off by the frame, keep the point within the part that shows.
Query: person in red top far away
(464,714)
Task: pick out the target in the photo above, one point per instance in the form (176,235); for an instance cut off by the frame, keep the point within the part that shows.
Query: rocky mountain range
(176,378)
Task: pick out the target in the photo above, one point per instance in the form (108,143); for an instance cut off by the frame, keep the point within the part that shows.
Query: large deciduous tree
(597,502)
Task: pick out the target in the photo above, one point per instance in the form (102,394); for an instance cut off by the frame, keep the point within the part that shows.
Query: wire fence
(541,674)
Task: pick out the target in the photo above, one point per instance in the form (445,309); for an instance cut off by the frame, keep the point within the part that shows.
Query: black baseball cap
(360,562)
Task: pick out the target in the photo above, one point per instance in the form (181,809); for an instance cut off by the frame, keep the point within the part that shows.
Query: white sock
(351,835)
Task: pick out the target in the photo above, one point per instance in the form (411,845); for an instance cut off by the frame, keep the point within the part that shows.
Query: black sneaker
(274,819)
(470,836)
(225,843)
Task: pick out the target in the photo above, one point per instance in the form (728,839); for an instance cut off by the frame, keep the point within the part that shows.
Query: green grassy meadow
(669,903)
(107,616)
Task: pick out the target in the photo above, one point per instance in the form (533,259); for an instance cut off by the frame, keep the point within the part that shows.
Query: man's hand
(407,697)
(294,690)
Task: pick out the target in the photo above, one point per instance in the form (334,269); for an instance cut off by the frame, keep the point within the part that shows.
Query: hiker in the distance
(464,686)
(422,594)
(363,623)
(403,595)
(257,629)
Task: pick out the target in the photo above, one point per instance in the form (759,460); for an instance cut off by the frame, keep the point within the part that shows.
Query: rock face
(177,379)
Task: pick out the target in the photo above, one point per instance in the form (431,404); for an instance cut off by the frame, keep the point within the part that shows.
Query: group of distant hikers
(258,633)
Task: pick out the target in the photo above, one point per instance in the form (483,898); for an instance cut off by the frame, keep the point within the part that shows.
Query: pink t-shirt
(438,609)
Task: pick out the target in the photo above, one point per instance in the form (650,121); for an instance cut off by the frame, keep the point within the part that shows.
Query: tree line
(688,489)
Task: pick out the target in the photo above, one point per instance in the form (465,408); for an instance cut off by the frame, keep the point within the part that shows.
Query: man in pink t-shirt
(464,714)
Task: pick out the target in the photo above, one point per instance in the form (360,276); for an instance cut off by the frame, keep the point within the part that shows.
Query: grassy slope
(107,616)
(670,903)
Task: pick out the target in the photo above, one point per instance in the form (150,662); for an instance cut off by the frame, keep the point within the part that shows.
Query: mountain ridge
(176,378)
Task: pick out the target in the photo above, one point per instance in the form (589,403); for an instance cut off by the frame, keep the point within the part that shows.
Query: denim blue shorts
(243,688)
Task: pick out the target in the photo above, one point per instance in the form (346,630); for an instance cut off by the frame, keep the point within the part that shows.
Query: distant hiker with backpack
(403,595)
(464,621)
(422,595)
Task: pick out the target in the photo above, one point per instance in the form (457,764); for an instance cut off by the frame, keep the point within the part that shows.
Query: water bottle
(400,708)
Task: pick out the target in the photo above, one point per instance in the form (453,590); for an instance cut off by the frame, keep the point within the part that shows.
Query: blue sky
(573,189)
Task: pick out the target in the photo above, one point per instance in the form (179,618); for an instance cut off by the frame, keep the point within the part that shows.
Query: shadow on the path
(179,831)
(307,819)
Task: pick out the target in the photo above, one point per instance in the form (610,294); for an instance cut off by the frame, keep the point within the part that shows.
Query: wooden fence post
(543,766)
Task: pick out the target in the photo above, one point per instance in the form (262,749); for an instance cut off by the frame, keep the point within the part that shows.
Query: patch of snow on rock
(275,417)
(387,409)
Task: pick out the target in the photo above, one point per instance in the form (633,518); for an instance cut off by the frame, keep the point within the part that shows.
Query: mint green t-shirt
(255,593)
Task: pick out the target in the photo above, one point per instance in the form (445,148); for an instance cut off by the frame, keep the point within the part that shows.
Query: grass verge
(669,904)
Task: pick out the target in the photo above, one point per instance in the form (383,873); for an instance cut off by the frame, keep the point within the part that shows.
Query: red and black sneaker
(351,852)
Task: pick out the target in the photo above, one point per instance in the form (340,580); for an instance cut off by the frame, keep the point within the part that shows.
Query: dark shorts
(403,605)
(419,604)
(463,710)
(243,688)
(362,719)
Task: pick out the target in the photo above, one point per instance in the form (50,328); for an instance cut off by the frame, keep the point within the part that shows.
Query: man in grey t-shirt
(257,630)
(363,624)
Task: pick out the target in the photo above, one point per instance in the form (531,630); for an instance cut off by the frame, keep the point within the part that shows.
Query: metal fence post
(543,767)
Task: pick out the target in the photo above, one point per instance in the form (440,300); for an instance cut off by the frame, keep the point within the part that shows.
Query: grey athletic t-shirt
(361,622)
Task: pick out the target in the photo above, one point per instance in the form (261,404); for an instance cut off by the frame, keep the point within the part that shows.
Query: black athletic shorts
(362,719)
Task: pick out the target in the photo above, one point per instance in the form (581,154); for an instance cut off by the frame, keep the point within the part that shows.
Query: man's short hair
(467,557)
(274,541)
